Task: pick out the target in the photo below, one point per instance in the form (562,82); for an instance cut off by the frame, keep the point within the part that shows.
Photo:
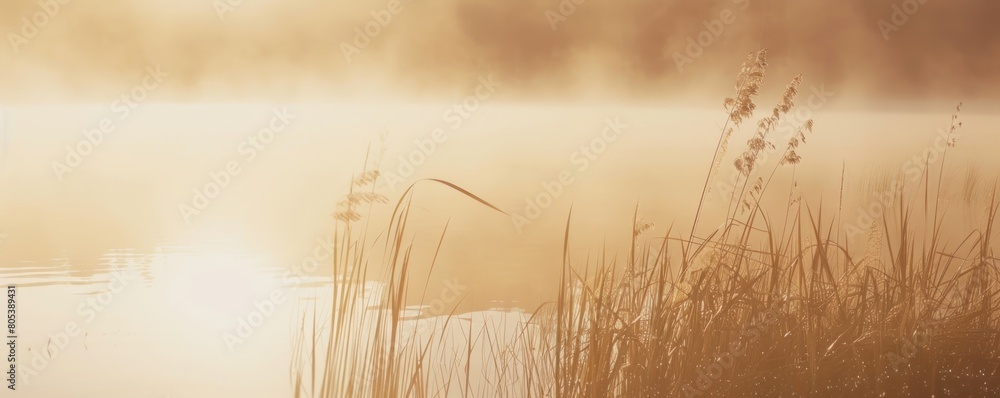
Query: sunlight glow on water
(142,322)
(162,311)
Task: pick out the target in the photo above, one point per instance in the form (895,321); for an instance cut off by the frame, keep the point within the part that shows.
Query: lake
(139,245)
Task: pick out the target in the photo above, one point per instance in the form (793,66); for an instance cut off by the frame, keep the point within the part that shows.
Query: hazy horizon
(596,49)
(574,187)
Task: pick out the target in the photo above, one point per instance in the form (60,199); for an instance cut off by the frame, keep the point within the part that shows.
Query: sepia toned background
(256,50)
(499,97)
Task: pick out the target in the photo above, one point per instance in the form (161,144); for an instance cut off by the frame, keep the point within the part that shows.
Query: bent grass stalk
(773,309)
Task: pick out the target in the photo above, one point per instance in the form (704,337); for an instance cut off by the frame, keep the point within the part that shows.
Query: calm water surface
(152,320)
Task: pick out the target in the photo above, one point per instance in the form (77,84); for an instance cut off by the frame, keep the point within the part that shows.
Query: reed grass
(753,308)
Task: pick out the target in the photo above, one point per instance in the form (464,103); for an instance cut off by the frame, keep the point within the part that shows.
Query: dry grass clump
(754,308)
(360,345)
(750,310)
(787,318)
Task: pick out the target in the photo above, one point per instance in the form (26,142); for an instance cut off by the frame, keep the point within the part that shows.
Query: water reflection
(151,324)
(167,321)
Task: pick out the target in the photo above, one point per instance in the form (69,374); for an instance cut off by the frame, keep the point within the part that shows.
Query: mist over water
(142,184)
(199,152)
(91,50)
